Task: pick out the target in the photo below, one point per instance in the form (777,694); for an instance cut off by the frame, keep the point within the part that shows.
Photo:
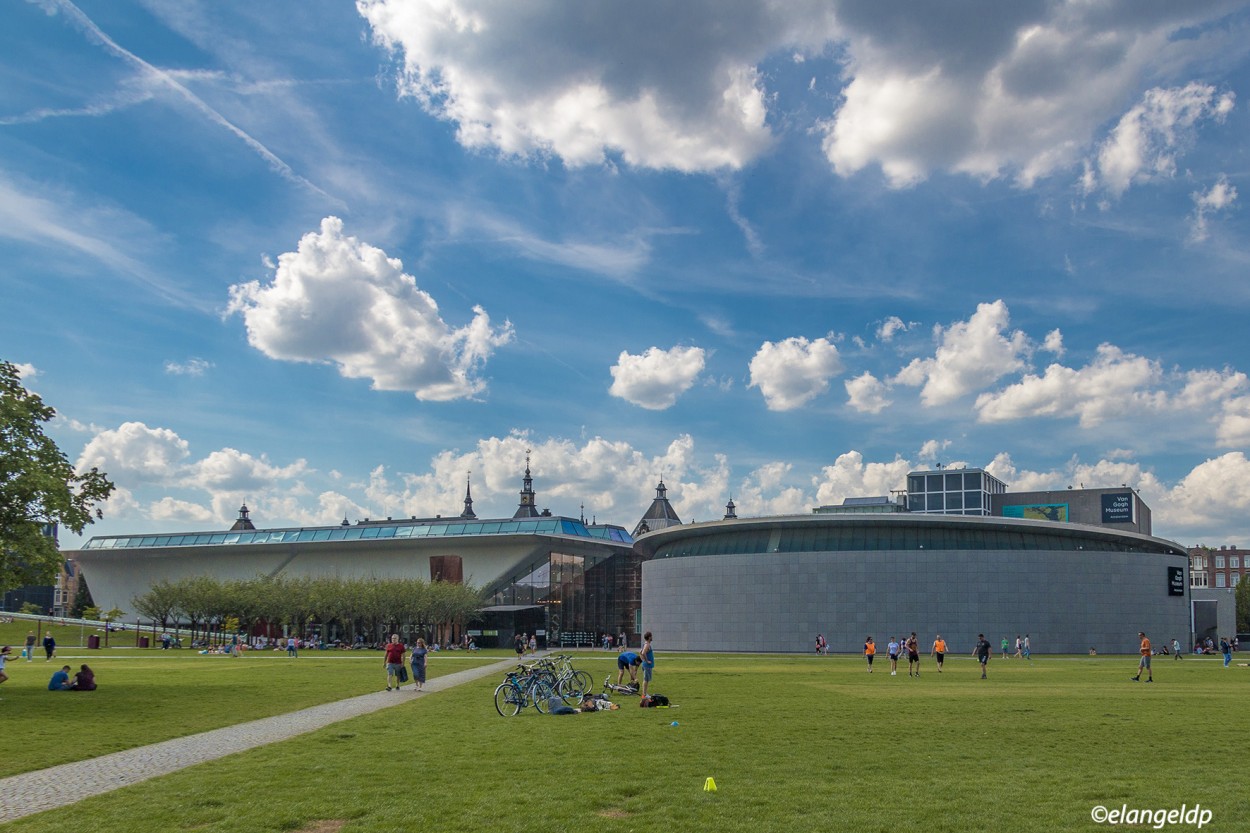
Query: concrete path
(46,789)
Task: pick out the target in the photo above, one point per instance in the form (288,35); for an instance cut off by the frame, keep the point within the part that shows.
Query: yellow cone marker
(709,786)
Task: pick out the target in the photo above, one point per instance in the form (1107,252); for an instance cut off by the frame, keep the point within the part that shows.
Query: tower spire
(468,497)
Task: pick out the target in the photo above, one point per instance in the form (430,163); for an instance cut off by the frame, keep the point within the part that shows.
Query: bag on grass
(652,701)
(403,674)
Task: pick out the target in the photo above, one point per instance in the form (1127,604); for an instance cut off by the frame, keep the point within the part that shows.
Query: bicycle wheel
(585,683)
(508,700)
(568,690)
(541,693)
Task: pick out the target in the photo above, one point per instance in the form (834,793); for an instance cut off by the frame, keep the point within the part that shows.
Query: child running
(870,650)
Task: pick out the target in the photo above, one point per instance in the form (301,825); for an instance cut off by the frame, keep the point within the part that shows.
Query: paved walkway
(46,789)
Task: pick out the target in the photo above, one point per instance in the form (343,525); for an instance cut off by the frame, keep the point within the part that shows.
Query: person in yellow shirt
(939,651)
(870,651)
(1144,663)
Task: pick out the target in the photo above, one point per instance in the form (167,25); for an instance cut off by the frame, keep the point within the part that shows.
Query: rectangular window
(933,502)
(915,502)
(1200,562)
(1197,579)
(1236,577)
(915,483)
(1219,580)
(955,500)
(972,500)
(933,483)
(954,482)
(1219,562)
(1234,561)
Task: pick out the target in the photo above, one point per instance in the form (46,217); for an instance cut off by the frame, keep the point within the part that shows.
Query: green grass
(794,743)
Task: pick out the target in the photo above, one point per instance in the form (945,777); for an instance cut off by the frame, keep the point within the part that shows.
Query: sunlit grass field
(794,744)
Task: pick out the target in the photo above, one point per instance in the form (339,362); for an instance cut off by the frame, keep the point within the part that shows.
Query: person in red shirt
(1144,663)
(394,660)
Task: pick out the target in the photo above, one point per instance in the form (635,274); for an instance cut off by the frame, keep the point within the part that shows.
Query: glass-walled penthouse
(963,492)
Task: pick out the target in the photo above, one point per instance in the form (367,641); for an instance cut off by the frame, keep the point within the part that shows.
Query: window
(1197,579)
(1234,561)
(1219,562)
(1199,562)
(1236,577)
(1219,580)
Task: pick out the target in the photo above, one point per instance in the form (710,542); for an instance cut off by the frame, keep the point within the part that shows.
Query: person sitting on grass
(631,661)
(84,680)
(60,680)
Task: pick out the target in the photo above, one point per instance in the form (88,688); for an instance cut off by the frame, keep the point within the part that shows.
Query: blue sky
(329,258)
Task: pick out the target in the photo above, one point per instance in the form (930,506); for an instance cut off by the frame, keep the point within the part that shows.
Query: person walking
(1176,649)
(1004,647)
(892,649)
(1027,649)
(913,654)
(30,645)
(49,646)
(648,662)
(1143,664)
(1019,647)
(870,651)
(394,660)
(1227,650)
(939,651)
(419,652)
(982,651)
(292,647)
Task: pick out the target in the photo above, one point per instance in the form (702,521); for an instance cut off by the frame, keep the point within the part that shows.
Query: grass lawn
(146,696)
(794,743)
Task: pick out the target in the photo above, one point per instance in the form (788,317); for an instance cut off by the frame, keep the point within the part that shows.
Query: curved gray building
(772,584)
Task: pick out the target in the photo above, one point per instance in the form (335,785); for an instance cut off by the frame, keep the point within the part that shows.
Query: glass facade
(964,492)
(851,537)
(581,595)
(368,531)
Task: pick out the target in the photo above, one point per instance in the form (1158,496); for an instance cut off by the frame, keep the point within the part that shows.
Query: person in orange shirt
(939,651)
(870,651)
(1144,662)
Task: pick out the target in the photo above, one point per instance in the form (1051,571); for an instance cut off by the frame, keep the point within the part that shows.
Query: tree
(82,599)
(1243,607)
(38,486)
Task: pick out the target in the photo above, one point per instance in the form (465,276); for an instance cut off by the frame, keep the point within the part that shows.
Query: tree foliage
(38,486)
(368,606)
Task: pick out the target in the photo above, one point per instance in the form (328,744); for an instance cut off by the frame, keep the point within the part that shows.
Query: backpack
(652,701)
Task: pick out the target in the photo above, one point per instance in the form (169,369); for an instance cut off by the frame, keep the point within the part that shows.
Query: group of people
(393,661)
(526,643)
(49,646)
(631,661)
(84,679)
(619,640)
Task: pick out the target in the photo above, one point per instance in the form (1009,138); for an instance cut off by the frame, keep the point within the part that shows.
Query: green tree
(1243,607)
(82,599)
(38,486)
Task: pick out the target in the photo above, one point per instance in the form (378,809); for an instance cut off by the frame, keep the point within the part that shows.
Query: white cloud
(1114,384)
(1017,89)
(1233,426)
(339,300)
(768,491)
(191,367)
(654,379)
(1219,197)
(1149,137)
(1020,88)
(182,511)
(867,394)
(26,372)
(970,355)
(791,373)
(1206,498)
(850,476)
(230,470)
(930,449)
(890,326)
(1053,343)
(135,453)
(663,87)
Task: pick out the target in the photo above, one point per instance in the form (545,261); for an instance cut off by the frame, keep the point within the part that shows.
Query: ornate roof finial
(468,496)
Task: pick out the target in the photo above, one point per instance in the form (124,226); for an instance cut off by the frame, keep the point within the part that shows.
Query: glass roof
(401,529)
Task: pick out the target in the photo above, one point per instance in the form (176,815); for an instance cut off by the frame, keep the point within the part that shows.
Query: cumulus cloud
(970,355)
(1053,343)
(26,372)
(1114,384)
(136,453)
(341,301)
(1209,495)
(867,394)
(1017,89)
(791,373)
(1150,136)
(191,367)
(850,476)
(983,90)
(664,87)
(654,379)
(231,470)
(182,511)
(1219,197)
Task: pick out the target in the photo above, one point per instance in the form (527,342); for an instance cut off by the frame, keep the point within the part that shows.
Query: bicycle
(527,685)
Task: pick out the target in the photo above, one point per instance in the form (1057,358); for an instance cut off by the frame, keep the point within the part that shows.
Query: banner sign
(1176,581)
(1117,508)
